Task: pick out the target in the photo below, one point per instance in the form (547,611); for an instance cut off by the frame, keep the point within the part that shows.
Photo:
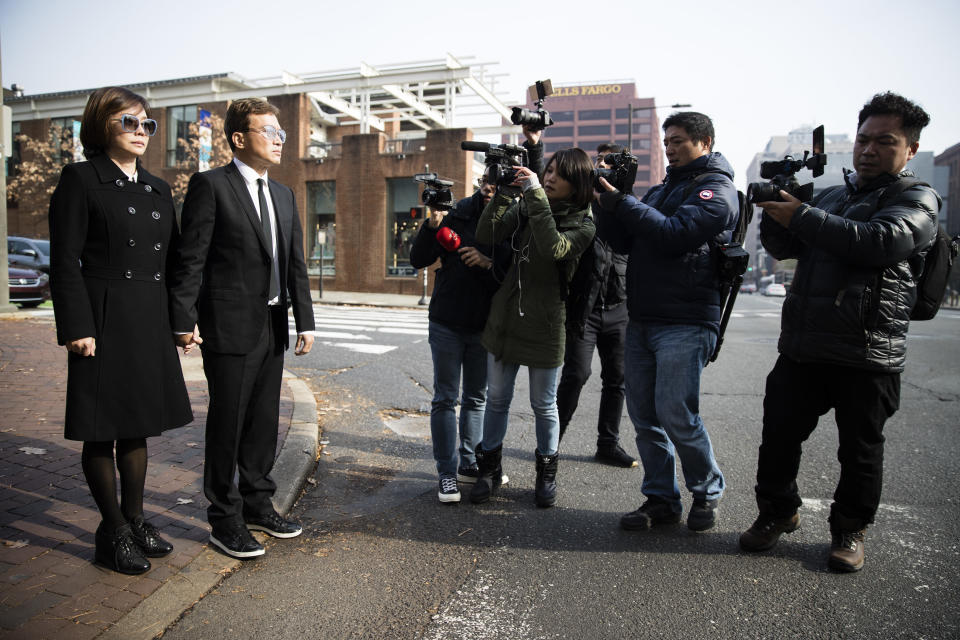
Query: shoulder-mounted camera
(501,159)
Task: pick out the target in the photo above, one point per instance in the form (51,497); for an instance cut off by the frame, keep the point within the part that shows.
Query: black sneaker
(652,512)
(449,492)
(273,524)
(468,475)
(703,514)
(615,455)
(236,541)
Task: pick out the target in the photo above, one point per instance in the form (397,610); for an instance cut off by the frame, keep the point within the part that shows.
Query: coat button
(156,247)
(128,274)
(156,276)
(156,215)
(147,188)
(132,242)
(119,182)
(131,210)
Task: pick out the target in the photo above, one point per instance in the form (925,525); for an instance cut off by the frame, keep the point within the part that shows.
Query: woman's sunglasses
(130,124)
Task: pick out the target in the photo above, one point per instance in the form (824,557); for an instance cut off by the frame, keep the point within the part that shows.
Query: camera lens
(762,192)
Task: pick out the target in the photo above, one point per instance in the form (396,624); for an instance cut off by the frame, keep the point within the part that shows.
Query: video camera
(436,192)
(781,174)
(621,174)
(501,159)
(537,120)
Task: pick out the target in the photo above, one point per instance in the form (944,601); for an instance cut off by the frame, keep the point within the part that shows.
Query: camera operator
(464,285)
(597,319)
(547,230)
(673,301)
(859,248)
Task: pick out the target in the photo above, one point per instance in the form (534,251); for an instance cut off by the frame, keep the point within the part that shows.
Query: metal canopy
(421,95)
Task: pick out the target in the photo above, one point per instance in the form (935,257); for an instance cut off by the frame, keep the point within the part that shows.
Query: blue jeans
(453,352)
(663,367)
(543,400)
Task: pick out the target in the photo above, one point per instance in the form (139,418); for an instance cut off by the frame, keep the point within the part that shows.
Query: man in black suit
(238,266)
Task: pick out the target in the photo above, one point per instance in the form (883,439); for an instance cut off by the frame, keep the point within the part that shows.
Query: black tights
(97,461)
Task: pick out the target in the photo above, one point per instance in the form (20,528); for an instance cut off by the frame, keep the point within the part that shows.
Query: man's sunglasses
(271,133)
(130,124)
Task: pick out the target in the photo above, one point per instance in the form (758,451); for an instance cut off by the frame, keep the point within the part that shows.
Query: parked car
(775,289)
(29,253)
(748,287)
(28,287)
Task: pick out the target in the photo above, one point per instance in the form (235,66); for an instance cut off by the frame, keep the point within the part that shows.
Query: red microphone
(448,238)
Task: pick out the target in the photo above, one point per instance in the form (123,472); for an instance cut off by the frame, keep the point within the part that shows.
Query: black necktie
(268,234)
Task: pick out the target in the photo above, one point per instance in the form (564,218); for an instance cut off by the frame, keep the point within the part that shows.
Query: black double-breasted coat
(109,239)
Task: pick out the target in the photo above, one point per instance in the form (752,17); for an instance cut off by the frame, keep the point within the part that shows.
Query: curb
(182,590)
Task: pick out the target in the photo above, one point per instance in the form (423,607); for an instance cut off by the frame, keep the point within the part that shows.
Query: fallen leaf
(184,500)
(15,544)
(33,451)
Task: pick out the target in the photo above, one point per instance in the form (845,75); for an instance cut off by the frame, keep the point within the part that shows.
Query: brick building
(354,142)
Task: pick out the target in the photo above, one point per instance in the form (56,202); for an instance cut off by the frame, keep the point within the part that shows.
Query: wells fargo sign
(588,90)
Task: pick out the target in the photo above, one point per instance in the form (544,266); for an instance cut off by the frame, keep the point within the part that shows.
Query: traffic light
(416,213)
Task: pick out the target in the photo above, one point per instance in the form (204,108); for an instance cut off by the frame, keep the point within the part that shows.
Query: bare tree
(36,176)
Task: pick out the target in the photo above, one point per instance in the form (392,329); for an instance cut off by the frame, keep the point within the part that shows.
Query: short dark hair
(574,166)
(239,112)
(697,125)
(610,147)
(103,103)
(912,116)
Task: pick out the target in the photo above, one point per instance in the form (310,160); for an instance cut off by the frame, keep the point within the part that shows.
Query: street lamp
(630,110)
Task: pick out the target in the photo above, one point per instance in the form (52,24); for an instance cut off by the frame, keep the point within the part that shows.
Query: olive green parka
(528,312)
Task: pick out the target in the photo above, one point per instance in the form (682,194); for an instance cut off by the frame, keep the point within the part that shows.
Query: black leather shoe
(148,538)
(118,551)
(273,524)
(236,541)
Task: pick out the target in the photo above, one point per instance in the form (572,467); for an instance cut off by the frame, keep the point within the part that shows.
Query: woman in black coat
(111,224)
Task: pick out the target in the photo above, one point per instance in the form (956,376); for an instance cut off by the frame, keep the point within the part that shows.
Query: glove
(530,183)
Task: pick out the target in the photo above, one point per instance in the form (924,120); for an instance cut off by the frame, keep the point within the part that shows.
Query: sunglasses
(271,133)
(130,124)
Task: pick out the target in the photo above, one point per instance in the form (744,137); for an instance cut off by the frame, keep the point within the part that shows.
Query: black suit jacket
(222,263)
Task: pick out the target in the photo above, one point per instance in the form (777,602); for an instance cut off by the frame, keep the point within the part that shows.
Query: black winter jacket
(600,280)
(857,259)
(672,273)
(461,294)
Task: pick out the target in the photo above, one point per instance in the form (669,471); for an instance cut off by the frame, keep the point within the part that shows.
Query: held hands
(187,341)
(304,344)
(471,257)
(781,212)
(86,347)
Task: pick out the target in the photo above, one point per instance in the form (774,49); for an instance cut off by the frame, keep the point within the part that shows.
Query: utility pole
(5,152)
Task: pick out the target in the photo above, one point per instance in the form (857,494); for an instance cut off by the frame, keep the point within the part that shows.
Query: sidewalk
(49,586)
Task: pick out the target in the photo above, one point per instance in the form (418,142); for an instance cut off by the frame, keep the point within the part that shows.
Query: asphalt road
(381,558)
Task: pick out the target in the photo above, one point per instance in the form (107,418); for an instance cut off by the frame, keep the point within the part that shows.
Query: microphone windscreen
(448,238)
(474,145)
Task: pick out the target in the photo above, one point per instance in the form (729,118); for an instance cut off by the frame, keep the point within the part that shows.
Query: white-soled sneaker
(449,492)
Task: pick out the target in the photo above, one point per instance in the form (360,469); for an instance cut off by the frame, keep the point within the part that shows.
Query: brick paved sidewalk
(49,586)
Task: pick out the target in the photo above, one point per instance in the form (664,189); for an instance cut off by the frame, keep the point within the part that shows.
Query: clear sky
(757,68)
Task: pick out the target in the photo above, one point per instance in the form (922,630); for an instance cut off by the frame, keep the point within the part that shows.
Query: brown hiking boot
(764,533)
(846,551)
